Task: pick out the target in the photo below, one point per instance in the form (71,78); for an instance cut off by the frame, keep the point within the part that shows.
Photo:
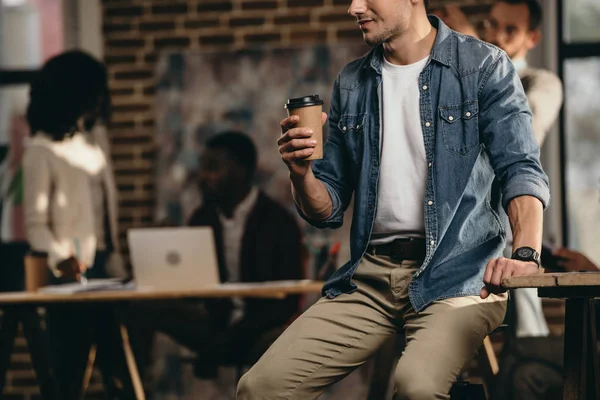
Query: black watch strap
(526,254)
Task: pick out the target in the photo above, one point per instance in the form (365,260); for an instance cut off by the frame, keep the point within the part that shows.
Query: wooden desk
(22,306)
(580,355)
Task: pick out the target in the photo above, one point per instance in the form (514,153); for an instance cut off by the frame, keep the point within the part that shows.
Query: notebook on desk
(94,285)
(173,258)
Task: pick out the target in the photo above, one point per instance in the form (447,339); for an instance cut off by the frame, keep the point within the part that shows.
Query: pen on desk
(83,279)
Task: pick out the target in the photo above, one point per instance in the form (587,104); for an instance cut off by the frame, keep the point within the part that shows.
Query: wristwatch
(527,254)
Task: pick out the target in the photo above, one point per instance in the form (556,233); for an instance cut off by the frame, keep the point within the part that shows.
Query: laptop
(173,258)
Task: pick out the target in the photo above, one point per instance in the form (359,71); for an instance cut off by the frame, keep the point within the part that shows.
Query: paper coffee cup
(309,109)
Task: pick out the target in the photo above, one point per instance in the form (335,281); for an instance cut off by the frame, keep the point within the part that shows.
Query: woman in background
(71,208)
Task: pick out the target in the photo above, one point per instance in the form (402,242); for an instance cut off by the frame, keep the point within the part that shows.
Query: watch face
(525,253)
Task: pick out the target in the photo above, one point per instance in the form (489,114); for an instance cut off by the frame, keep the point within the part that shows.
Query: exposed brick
(305,3)
(119,59)
(177,41)
(116,140)
(309,36)
(23,381)
(349,34)
(292,19)
(214,6)
(336,17)
(177,8)
(259,5)
(122,92)
(112,28)
(149,91)
(125,220)
(131,11)
(134,74)
(136,203)
(125,43)
(156,26)
(20,365)
(151,58)
(246,21)
(262,37)
(122,125)
(131,108)
(202,23)
(217,40)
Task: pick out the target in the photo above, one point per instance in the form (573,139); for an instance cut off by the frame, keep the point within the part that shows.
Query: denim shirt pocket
(460,127)
(352,127)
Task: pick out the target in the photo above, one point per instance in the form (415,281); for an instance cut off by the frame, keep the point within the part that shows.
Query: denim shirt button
(451,118)
(432,243)
(428,124)
(425,87)
(344,129)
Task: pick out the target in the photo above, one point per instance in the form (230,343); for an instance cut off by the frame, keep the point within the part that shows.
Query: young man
(257,240)
(418,130)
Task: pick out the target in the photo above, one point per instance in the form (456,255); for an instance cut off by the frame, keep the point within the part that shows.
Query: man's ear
(534,38)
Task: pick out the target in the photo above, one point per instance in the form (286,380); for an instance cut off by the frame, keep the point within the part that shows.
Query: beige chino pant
(335,336)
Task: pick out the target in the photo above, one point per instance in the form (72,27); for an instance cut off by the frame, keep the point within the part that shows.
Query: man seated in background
(257,240)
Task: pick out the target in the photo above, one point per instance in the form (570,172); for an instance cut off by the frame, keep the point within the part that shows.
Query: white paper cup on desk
(309,109)
(36,273)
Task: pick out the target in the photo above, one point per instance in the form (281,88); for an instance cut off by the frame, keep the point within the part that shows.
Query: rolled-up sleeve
(506,129)
(334,169)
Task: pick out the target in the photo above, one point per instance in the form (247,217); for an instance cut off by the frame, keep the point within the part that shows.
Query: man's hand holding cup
(302,134)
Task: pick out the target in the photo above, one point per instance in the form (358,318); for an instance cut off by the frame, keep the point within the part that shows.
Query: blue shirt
(481,154)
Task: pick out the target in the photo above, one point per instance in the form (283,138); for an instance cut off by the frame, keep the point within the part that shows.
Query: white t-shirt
(403,171)
(233,234)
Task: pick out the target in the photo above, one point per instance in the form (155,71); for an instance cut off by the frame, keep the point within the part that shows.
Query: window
(579,68)
(581,21)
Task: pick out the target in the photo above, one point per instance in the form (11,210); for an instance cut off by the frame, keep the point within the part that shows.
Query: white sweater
(58,196)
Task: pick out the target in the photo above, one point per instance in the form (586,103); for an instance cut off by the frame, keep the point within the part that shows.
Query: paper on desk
(269,284)
(93,285)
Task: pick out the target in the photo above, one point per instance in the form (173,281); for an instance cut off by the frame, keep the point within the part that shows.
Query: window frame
(566,51)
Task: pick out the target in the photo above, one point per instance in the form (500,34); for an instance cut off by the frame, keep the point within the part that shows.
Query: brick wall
(137,31)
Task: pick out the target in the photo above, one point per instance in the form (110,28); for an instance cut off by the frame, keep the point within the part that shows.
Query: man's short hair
(239,146)
(536,13)
(426,4)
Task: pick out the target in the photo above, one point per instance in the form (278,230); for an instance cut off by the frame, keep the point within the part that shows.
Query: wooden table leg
(134,373)
(39,351)
(576,348)
(593,378)
(8,331)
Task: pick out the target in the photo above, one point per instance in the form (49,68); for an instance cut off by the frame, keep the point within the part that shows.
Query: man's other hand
(501,268)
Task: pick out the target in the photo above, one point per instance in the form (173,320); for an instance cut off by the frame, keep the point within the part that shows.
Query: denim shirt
(481,154)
